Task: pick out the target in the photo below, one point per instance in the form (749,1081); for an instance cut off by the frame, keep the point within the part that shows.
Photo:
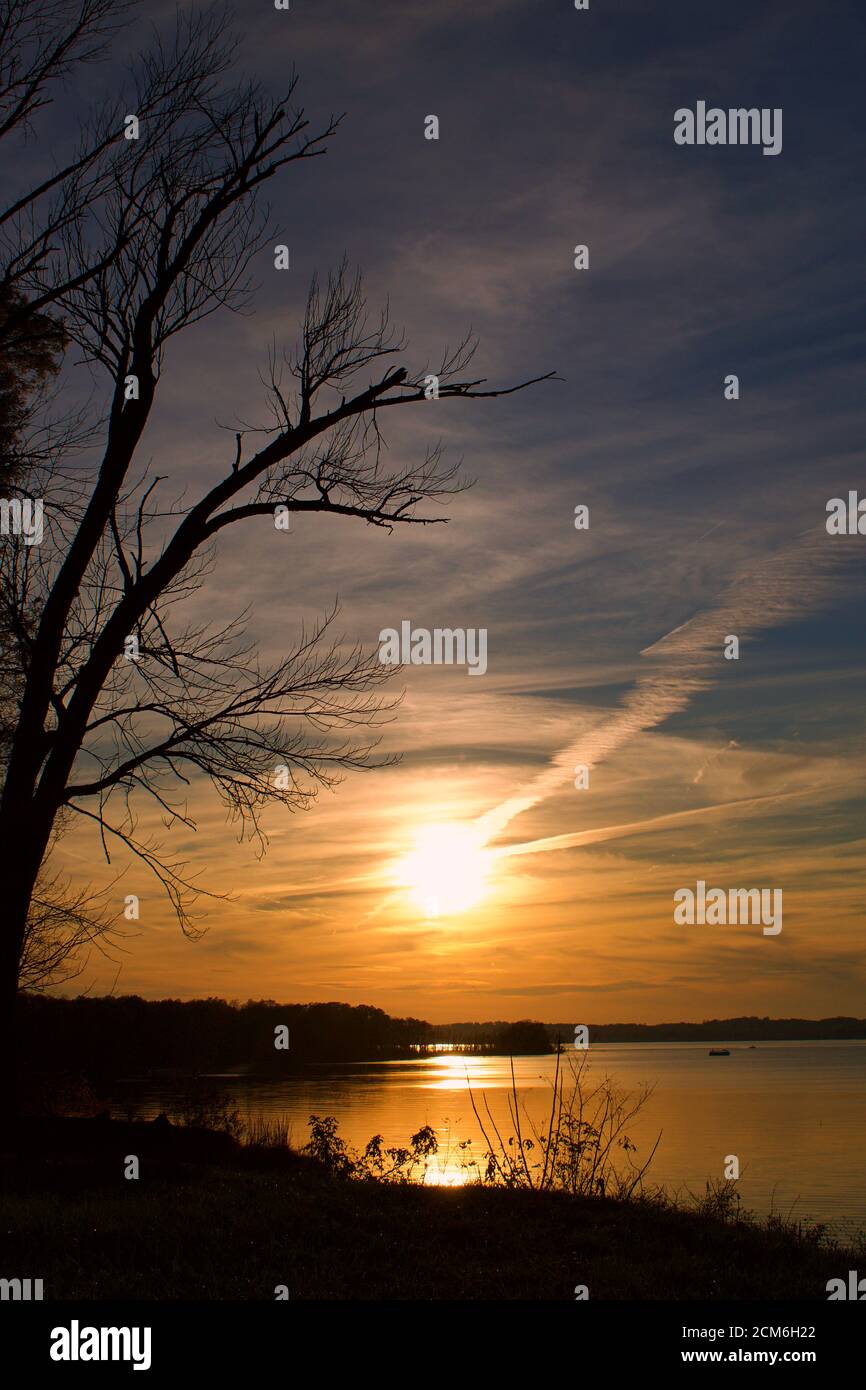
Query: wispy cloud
(686,661)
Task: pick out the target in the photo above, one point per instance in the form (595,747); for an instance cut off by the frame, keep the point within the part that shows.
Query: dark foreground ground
(209,1220)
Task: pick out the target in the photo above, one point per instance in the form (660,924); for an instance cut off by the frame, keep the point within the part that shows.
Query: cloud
(688,659)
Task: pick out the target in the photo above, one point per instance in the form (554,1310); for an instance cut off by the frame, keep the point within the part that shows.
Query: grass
(233,1221)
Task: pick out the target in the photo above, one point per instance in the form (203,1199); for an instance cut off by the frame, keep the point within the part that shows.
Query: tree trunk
(21,853)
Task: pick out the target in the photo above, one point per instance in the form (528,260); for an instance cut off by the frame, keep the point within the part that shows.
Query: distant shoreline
(100,1038)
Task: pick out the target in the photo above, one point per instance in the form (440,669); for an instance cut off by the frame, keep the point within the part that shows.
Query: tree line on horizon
(128,1036)
(748,1028)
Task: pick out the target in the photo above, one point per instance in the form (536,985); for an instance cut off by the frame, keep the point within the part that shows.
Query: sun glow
(447,870)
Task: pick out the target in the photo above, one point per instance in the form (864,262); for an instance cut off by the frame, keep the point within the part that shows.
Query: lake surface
(793,1112)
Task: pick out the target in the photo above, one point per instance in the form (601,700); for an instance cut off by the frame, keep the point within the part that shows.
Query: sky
(531,897)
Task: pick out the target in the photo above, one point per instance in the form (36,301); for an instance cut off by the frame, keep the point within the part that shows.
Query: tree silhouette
(121,697)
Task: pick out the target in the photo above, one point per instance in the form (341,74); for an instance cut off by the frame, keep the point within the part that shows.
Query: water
(793,1112)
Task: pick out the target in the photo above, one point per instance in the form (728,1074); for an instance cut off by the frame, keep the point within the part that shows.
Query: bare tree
(40,45)
(62,924)
(179,224)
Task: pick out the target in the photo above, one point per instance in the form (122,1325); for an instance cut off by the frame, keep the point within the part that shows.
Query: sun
(447,870)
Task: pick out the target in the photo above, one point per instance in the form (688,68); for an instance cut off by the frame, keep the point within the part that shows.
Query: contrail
(686,661)
(603,833)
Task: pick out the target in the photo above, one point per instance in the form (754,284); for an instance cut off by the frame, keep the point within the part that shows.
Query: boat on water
(720,1052)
